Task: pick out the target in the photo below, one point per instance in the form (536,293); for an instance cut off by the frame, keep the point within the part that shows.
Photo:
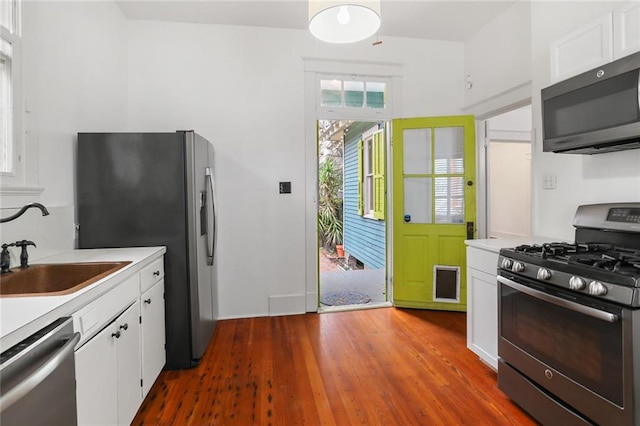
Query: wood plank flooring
(383,366)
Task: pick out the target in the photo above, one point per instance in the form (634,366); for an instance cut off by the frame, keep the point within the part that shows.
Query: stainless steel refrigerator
(157,189)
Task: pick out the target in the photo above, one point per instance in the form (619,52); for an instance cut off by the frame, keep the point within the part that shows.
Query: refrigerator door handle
(211,253)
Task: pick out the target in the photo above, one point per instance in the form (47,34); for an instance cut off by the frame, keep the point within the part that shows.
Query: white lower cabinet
(482,305)
(119,359)
(153,336)
(108,372)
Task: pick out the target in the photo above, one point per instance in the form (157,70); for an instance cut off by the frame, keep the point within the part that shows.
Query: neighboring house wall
(364,238)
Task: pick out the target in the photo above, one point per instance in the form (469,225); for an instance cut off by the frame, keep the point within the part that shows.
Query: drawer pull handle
(156,273)
(147,301)
(125,326)
(116,334)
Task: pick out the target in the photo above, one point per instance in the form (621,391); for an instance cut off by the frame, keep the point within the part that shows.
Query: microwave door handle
(576,307)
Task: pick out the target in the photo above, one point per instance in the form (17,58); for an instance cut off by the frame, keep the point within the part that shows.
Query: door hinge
(140,382)
(140,319)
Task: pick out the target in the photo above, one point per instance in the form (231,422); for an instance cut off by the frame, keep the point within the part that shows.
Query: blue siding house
(364,237)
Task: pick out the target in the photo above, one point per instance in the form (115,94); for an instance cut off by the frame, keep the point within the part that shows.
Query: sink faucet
(44,210)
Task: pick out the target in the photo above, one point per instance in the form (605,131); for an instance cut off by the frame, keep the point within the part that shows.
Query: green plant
(329,203)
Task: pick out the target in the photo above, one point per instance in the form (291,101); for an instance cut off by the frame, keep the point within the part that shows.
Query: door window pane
(417,151)
(354,93)
(449,150)
(330,93)
(449,199)
(417,199)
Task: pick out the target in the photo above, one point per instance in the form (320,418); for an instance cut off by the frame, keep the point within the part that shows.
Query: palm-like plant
(329,205)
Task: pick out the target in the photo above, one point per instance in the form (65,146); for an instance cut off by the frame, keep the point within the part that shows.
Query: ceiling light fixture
(343,21)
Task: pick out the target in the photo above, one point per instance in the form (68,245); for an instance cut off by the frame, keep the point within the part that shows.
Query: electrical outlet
(549,182)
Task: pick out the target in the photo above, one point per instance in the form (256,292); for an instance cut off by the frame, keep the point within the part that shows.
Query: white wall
(243,89)
(582,179)
(74,77)
(497,59)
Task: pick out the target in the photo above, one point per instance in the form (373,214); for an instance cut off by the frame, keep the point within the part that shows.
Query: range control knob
(577,283)
(544,274)
(506,264)
(597,288)
(518,267)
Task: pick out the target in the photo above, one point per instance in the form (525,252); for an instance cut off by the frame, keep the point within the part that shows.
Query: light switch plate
(549,182)
(285,187)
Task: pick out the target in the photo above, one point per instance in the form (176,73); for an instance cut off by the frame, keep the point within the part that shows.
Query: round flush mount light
(343,21)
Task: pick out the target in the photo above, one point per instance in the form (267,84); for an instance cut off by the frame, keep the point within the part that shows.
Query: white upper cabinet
(626,30)
(611,37)
(583,49)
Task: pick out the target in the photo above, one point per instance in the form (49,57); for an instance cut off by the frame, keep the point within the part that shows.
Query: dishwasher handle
(35,378)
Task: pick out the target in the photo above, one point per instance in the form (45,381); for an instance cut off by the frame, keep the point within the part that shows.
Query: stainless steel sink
(54,279)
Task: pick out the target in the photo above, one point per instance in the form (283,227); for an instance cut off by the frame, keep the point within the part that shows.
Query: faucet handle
(24,243)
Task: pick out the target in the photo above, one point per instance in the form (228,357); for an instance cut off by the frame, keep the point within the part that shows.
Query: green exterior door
(434,207)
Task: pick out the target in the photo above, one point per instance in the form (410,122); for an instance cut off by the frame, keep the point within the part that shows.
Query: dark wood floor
(383,366)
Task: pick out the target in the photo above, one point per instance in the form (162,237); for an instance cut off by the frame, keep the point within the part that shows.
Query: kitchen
(238,85)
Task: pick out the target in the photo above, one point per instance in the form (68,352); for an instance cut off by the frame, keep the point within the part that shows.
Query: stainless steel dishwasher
(37,378)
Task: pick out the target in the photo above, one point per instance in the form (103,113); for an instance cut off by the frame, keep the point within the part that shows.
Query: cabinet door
(583,49)
(482,317)
(626,27)
(128,361)
(96,379)
(153,337)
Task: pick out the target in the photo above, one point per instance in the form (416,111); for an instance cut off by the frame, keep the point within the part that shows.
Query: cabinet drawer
(150,274)
(93,317)
(482,260)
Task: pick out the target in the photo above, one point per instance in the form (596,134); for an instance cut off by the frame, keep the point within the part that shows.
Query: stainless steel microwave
(596,111)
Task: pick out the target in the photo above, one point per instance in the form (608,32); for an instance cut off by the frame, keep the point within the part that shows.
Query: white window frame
(14,182)
(367,174)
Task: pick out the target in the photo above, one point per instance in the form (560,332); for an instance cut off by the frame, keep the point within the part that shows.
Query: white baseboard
(287,304)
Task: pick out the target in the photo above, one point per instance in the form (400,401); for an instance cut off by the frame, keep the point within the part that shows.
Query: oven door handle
(576,307)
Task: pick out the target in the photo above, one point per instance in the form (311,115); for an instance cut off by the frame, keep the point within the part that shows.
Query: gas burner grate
(619,261)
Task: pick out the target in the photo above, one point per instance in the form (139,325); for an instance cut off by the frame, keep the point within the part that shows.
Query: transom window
(342,92)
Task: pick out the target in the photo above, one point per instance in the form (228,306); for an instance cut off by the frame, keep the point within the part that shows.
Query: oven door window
(584,349)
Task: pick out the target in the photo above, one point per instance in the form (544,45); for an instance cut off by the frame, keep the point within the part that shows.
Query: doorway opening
(351,224)
(508,156)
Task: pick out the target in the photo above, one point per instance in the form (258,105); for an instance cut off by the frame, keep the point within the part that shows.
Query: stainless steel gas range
(569,321)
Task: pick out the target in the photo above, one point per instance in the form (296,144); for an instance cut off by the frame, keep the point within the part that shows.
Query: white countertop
(495,244)
(22,316)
